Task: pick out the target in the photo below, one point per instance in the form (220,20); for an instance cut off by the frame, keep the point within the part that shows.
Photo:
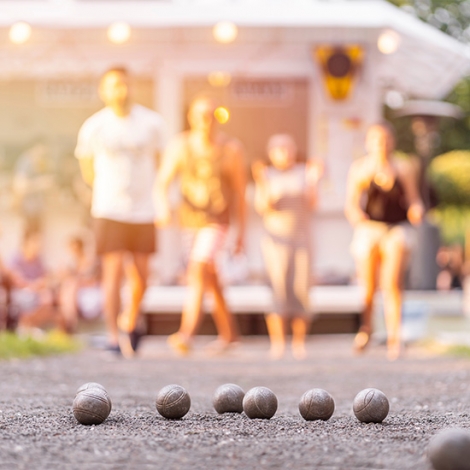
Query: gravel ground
(38,430)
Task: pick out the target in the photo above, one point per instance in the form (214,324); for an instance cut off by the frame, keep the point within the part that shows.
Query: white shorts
(203,244)
(370,235)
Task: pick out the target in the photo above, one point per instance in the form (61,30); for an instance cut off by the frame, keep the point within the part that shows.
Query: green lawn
(13,346)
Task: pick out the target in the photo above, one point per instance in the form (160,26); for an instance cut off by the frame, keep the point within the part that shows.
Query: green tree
(453,18)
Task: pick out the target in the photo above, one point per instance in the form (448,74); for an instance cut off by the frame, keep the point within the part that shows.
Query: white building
(272,80)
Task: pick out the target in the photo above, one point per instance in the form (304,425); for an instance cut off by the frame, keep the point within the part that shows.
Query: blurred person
(382,204)
(80,292)
(211,169)
(285,195)
(450,260)
(32,289)
(7,320)
(31,180)
(118,149)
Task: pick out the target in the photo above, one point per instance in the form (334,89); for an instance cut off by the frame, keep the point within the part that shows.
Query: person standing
(382,204)
(211,169)
(286,194)
(118,148)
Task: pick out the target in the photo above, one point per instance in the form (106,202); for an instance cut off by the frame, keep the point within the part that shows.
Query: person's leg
(394,254)
(299,327)
(367,273)
(137,274)
(68,302)
(300,300)
(223,319)
(192,309)
(276,325)
(206,242)
(112,271)
(276,259)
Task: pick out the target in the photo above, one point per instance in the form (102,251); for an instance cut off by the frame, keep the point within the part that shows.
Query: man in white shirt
(118,149)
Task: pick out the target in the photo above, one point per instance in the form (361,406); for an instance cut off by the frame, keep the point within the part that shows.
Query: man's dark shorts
(111,235)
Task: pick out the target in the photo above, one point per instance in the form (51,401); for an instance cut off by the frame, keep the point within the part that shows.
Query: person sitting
(80,294)
(32,289)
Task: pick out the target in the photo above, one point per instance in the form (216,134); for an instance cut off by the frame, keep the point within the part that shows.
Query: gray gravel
(38,430)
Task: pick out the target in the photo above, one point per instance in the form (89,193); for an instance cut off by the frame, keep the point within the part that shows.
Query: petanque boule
(450,450)
(316,404)
(371,406)
(228,398)
(260,402)
(173,402)
(92,404)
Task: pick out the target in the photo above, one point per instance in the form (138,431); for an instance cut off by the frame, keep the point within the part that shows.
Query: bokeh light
(119,32)
(394,99)
(225,32)
(222,115)
(20,32)
(219,78)
(388,42)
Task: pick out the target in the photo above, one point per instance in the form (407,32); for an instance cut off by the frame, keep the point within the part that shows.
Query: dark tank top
(205,188)
(387,206)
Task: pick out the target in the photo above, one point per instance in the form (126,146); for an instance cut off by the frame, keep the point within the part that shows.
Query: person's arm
(409,178)
(84,152)
(262,201)
(314,171)
(354,189)
(237,172)
(166,174)
(87,168)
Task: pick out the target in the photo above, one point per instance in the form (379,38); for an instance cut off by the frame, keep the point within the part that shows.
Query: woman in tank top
(382,204)
(285,197)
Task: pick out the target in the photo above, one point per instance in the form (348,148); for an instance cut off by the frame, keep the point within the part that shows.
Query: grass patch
(55,342)
(459,350)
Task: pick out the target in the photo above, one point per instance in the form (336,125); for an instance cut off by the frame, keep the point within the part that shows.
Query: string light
(20,32)
(225,32)
(222,115)
(119,32)
(388,42)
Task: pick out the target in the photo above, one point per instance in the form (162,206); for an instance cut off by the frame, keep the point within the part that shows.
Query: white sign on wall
(67,93)
(263,92)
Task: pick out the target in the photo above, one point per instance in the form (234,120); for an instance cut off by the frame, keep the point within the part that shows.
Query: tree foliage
(450,16)
(450,176)
(453,18)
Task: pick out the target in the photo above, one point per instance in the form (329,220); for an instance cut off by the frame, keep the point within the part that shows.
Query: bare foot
(361,340)
(299,352)
(393,350)
(220,347)
(178,344)
(276,352)
(125,345)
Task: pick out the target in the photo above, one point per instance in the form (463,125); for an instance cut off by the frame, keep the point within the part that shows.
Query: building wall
(30,109)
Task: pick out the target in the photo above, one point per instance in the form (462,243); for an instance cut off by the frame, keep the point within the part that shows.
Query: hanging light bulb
(119,32)
(20,32)
(222,115)
(388,42)
(225,32)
